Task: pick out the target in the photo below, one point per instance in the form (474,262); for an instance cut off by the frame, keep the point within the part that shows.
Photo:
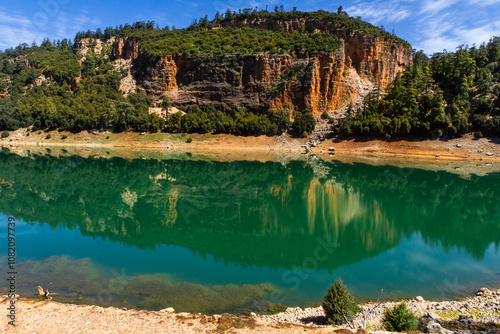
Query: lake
(206,236)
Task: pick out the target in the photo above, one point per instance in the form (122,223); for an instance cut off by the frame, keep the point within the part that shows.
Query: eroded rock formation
(314,80)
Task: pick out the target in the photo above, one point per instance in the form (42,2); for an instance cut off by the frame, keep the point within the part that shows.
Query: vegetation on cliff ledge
(232,41)
(59,93)
(217,36)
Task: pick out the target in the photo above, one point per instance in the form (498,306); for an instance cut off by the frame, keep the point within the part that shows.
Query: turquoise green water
(210,236)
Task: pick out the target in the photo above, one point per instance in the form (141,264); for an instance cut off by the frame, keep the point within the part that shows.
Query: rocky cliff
(377,58)
(314,80)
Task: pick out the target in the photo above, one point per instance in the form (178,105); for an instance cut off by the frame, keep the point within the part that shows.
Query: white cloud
(376,12)
(440,36)
(13,18)
(435,6)
(435,24)
(16,29)
(479,34)
(434,34)
(437,44)
(68,26)
(484,3)
(453,26)
(11,37)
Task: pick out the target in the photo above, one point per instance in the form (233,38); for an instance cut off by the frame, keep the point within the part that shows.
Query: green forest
(74,97)
(444,96)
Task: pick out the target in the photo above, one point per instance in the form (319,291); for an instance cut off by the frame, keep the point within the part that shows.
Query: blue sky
(428,25)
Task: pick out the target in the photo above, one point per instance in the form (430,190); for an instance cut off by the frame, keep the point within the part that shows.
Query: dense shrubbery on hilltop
(340,18)
(202,38)
(232,41)
(445,96)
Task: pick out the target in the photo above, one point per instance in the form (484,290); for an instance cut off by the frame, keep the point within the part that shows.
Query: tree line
(207,118)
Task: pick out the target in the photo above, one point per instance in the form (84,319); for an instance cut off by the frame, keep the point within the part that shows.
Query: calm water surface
(209,236)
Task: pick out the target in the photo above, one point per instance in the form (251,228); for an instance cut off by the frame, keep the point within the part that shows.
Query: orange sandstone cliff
(311,80)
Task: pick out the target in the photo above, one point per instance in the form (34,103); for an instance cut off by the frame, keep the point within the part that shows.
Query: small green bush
(48,136)
(276,308)
(324,115)
(189,140)
(339,305)
(5,134)
(64,137)
(304,124)
(399,319)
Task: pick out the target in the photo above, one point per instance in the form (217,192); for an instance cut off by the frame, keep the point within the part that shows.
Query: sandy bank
(476,314)
(460,149)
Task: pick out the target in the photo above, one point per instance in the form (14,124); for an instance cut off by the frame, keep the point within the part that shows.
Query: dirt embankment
(460,149)
(477,314)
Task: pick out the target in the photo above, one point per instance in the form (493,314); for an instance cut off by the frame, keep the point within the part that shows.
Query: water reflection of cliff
(252,213)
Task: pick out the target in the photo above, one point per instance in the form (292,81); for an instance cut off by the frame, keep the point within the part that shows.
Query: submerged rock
(168,310)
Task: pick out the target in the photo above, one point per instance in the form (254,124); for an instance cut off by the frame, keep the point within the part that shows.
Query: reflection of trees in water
(332,206)
(251,212)
(446,209)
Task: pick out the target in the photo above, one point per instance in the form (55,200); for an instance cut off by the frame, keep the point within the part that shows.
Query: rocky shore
(477,314)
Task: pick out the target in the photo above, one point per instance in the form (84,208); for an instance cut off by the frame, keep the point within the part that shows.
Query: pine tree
(339,305)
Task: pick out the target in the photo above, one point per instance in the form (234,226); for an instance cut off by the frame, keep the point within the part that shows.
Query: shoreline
(463,156)
(459,149)
(475,314)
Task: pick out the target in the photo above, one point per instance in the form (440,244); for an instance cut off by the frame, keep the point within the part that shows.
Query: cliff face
(125,48)
(377,58)
(317,81)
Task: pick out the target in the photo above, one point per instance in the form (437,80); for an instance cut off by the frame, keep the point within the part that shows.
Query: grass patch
(155,292)
(205,136)
(449,315)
